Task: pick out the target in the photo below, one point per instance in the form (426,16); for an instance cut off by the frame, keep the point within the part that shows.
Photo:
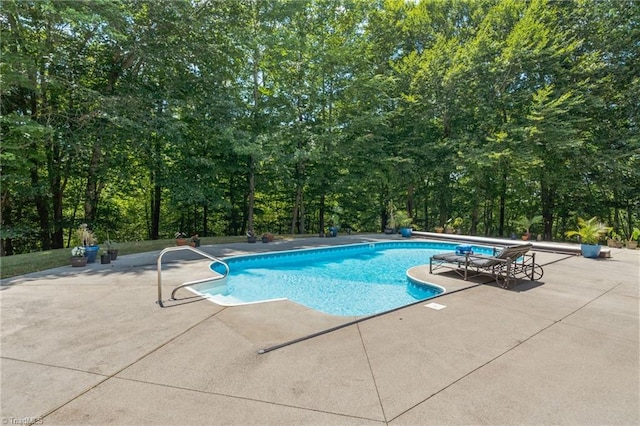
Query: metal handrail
(200,252)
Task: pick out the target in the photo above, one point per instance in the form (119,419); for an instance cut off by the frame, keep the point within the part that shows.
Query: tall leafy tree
(147,118)
(52,52)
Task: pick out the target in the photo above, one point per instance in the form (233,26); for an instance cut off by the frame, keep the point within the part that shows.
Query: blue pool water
(353,280)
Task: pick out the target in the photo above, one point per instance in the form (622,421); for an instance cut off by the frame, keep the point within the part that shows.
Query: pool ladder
(188,283)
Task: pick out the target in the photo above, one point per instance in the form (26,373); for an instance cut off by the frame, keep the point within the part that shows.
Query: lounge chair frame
(506,266)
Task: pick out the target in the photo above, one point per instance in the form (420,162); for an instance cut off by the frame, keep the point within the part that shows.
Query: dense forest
(144,118)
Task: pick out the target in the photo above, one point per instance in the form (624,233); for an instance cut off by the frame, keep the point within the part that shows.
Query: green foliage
(524,223)
(402,219)
(589,231)
(216,117)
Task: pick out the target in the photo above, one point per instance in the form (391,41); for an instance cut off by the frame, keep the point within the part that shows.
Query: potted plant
(181,238)
(589,233)
(525,224)
(334,225)
(105,257)
(404,222)
(439,229)
(195,240)
(457,224)
(632,242)
(88,240)
(112,249)
(390,226)
(448,227)
(78,256)
(617,240)
(251,237)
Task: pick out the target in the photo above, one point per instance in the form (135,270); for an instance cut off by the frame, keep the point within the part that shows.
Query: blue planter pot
(590,250)
(91,253)
(406,232)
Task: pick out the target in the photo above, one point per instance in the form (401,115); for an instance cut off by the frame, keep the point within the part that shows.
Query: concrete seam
(244,398)
(53,366)
(474,370)
(373,376)
(555,322)
(129,365)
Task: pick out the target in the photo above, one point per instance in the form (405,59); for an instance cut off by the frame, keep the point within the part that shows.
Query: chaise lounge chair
(506,266)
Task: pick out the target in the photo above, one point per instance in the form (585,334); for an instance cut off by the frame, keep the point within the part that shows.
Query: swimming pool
(350,280)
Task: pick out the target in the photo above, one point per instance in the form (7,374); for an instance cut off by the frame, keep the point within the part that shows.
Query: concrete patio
(90,346)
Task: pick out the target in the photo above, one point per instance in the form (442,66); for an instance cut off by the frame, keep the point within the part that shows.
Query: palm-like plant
(402,219)
(525,223)
(589,231)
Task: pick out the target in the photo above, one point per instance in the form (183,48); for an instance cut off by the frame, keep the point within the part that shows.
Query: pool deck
(90,346)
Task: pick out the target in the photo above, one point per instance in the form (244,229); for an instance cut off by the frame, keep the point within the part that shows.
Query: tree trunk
(410,200)
(443,201)
(205,220)
(297,221)
(629,229)
(156,196)
(57,197)
(474,220)
(384,213)
(252,194)
(547,194)
(426,209)
(321,215)
(42,208)
(6,244)
(92,191)
(237,201)
(488,217)
(57,193)
(503,197)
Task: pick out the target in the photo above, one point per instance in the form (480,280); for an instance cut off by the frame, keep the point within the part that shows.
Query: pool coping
(554,247)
